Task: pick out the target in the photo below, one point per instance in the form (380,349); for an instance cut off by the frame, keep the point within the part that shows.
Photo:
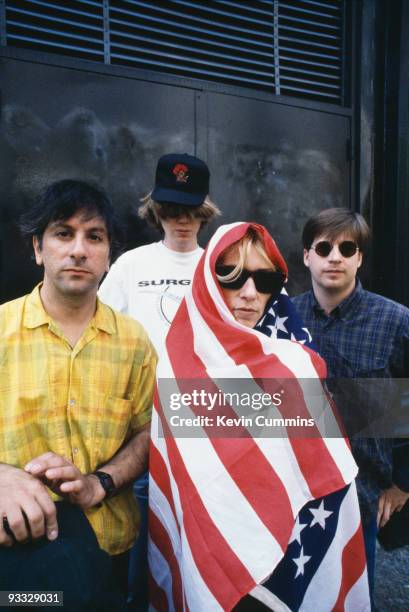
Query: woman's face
(246,304)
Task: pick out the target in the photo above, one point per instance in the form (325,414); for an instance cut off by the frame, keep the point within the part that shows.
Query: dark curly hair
(63,199)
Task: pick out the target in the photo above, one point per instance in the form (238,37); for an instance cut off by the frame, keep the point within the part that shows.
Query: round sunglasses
(347,248)
(266,281)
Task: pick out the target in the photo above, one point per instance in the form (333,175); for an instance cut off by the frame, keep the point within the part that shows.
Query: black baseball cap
(181,179)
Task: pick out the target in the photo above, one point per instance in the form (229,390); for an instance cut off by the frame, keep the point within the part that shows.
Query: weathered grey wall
(271,162)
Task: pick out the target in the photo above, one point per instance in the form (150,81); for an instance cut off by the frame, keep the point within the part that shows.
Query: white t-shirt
(148,283)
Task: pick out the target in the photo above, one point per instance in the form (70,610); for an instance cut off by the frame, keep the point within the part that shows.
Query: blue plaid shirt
(365,336)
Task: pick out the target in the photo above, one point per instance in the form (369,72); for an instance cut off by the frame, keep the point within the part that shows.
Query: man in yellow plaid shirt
(76,390)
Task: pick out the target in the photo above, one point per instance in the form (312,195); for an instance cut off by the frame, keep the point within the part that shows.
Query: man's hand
(65,479)
(392,500)
(26,508)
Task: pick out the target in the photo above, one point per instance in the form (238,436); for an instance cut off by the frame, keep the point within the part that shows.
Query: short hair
(251,238)
(334,222)
(152,212)
(63,199)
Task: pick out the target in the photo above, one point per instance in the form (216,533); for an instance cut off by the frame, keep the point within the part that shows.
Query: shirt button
(72,402)
(75,450)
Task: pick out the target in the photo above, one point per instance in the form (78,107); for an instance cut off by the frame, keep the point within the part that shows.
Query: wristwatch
(107,483)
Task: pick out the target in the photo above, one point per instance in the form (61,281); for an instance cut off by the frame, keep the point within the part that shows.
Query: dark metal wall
(381,128)
(274,159)
(272,162)
(391,168)
(58,122)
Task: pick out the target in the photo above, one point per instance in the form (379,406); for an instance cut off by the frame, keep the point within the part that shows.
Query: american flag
(282,321)
(223,512)
(324,566)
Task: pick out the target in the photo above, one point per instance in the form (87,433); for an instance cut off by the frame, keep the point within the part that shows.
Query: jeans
(138,598)
(73,563)
(370,530)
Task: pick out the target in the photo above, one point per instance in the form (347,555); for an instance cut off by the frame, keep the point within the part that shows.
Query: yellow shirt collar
(35,314)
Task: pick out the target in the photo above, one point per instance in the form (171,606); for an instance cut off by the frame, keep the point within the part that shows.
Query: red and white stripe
(222,510)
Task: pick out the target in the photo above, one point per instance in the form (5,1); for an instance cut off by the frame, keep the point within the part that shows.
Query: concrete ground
(392,580)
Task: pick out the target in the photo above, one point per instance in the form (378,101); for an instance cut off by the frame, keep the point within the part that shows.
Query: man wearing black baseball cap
(149,282)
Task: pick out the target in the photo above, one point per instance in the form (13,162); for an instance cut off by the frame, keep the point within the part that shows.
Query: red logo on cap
(181,173)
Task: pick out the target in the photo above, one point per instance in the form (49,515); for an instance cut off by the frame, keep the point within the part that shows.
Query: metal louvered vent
(72,27)
(311,48)
(229,42)
(287,47)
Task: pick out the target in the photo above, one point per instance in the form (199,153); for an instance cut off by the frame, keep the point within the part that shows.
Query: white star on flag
(320,515)
(273,331)
(296,533)
(279,324)
(300,562)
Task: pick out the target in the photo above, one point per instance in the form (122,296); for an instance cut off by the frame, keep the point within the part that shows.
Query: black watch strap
(107,483)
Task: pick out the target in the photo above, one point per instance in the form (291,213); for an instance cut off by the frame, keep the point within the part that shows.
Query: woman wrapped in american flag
(255,518)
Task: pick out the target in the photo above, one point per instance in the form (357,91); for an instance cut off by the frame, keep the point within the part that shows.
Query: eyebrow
(98,228)
(101,229)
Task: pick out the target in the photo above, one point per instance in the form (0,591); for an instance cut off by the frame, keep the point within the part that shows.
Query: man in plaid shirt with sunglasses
(361,335)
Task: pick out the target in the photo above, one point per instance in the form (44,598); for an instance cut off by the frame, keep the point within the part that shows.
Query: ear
(306,258)
(37,251)
(360,259)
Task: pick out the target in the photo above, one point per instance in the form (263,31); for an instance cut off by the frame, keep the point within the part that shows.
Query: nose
(335,254)
(183,219)
(248,291)
(78,247)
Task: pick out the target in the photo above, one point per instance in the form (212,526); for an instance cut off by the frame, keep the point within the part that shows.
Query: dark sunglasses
(266,281)
(347,248)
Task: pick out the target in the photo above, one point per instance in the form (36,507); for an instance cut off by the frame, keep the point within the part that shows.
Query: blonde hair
(250,238)
(152,212)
